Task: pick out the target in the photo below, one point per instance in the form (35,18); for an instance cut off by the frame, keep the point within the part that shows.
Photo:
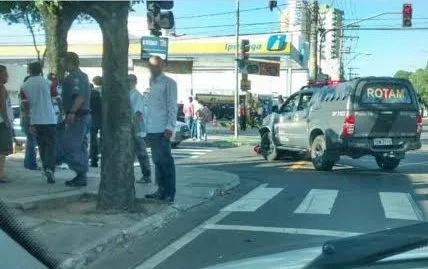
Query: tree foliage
(402,74)
(419,79)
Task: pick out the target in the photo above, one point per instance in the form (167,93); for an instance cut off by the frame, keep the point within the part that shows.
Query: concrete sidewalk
(66,221)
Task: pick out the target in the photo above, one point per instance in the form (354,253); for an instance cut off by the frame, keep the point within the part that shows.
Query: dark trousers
(46,139)
(243,123)
(164,163)
(94,146)
(60,129)
(140,150)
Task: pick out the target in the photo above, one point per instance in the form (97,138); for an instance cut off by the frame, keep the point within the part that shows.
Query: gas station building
(199,65)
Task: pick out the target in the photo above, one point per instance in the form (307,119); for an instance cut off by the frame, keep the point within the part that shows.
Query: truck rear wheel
(387,163)
(268,148)
(319,154)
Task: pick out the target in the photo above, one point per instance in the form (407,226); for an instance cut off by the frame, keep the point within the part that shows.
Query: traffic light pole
(237,70)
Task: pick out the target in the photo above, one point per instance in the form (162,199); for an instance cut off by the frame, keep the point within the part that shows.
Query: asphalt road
(281,206)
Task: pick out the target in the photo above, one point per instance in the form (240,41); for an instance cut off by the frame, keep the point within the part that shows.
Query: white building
(331,46)
(295,19)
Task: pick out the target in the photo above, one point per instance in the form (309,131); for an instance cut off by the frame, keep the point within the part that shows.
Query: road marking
(301,231)
(164,254)
(398,205)
(297,165)
(317,201)
(192,149)
(253,200)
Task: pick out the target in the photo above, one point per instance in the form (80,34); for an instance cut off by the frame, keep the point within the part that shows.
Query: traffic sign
(259,68)
(269,69)
(245,85)
(153,45)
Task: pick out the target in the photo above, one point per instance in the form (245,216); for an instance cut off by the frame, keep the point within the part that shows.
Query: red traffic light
(407,15)
(407,8)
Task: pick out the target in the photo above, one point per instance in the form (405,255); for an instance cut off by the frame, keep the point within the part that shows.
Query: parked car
(378,116)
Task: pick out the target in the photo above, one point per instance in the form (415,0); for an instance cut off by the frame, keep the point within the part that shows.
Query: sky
(390,50)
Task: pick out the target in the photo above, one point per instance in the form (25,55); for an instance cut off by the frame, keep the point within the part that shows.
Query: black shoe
(50,177)
(78,181)
(94,164)
(156,195)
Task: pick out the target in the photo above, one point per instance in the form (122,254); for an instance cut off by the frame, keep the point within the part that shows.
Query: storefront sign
(153,45)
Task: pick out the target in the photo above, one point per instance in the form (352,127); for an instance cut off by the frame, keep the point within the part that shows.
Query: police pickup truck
(378,116)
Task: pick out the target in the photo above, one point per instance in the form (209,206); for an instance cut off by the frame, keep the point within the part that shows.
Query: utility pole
(313,65)
(237,70)
(350,74)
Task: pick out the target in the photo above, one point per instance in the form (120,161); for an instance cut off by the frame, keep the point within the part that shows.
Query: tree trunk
(57,23)
(117,190)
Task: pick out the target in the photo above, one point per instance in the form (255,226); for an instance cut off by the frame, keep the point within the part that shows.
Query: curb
(90,252)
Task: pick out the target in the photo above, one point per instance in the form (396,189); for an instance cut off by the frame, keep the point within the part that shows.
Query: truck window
(290,104)
(381,93)
(304,101)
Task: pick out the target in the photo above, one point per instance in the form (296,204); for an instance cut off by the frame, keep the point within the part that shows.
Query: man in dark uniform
(76,95)
(96,119)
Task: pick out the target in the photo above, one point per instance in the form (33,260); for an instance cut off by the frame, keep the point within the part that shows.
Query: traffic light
(157,19)
(407,15)
(272,4)
(245,49)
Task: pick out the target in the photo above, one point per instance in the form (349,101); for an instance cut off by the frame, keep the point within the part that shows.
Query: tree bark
(57,21)
(116,190)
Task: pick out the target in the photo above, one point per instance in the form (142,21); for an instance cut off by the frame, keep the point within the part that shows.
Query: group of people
(197,115)
(62,136)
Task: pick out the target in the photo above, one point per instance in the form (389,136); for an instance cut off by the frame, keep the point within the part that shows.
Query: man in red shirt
(188,111)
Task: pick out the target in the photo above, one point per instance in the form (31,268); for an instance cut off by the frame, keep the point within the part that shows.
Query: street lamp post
(236,71)
(357,55)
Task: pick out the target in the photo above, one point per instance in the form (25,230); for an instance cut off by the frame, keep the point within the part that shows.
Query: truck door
(299,130)
(282,128)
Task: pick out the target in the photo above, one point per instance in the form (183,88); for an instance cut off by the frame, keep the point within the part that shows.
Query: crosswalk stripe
(397,205)
(317,201)
(253,200)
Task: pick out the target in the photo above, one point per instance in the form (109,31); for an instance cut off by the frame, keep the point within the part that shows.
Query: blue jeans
(202,131)
(164,163)
(75,144)
(30,160)
(191,123)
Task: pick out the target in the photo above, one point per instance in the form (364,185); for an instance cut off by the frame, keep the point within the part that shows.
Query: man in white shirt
(36,97)
(161,120)
(137,114)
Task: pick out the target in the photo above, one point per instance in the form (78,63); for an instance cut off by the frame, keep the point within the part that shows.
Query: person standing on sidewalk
(76,96)
(6,142)
(30,159)
(196,107)
(36,98)
(243,117)
(96,119)
(161,120)
(137,117)
(60,126)
(203,115)
(188,114)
